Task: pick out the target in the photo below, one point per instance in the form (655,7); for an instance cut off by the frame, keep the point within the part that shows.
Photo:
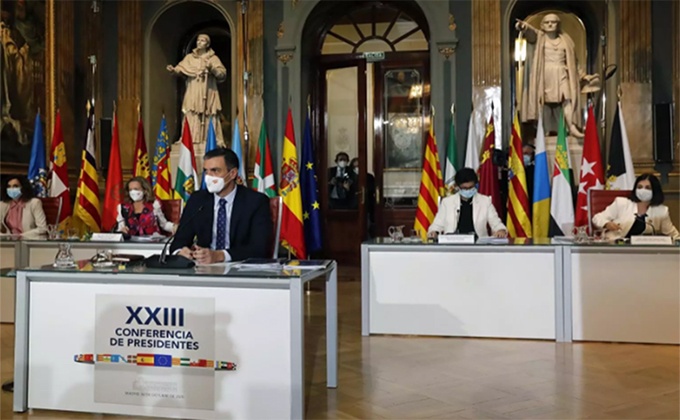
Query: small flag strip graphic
(157,360)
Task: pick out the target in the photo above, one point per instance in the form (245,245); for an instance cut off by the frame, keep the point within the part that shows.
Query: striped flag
(140,164)
(431,186)
(488,171)
(620,171)
(59,170)
(86,212)
(292,230)
(562,203)
(186,178)
(451,159)
(592,173)
(236,147)
(518,222)
(114,182)
(210,144)
(37,167)
(541,200)
(263,180)
(160,172)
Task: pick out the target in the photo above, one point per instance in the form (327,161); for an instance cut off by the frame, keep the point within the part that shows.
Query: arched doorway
(371,65)
(170,34)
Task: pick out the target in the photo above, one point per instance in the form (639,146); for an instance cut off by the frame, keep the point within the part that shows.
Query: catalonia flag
(292,231)
(311,214)
(87,211)
(160,172)
(519,224)
(431,186)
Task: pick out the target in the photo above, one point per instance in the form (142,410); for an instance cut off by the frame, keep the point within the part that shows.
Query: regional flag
(518,222)
(311,210)
(263,176)
(562,202)
(488,171)
(59,170)
(431,186)
(473,143)
(86,212)
(37,167)
(114,182)
(186,178)
(620,171)
(451,158)
(592,173)
(210,144)
(140,163)
(160,171)
(292,230)
(541,201)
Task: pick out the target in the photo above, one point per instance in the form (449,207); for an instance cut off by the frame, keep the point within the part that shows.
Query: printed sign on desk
(154,351)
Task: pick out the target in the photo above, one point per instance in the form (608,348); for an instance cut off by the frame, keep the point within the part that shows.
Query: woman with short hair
(140,213)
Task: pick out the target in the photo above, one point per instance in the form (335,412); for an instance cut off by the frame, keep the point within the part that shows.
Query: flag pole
(246,132)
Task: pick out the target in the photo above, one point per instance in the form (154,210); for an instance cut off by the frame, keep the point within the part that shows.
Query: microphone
(172,261)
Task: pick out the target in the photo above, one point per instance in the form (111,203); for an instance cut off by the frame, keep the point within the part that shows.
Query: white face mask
(342,163)
(214,184)
(356,170)
(136,195)
(644,194)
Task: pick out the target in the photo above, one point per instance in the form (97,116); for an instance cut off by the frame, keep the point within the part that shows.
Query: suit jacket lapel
(476,210)
(236,213)
(205,229)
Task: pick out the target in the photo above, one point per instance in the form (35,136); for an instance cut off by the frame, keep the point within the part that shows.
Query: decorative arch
(157,56)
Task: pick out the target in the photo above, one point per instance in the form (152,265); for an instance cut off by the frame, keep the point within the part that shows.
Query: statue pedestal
(575,150)
(199,151)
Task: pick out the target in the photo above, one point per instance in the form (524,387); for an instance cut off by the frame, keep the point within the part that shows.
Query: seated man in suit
(467,211)
(234,221)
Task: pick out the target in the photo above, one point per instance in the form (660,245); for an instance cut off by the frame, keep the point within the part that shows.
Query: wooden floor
(414,377)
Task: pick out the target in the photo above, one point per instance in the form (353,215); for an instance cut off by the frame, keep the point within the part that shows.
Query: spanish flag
(86,214)
(292,230)
(519,224)
(431,186)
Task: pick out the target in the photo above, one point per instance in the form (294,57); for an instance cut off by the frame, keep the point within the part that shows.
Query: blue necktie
(221,224)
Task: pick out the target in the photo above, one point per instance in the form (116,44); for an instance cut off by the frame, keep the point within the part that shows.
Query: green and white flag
(263,180)
(451,159)
(186,180)
(562,201)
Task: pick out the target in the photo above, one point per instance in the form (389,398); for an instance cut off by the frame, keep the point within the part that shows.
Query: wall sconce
(520,49)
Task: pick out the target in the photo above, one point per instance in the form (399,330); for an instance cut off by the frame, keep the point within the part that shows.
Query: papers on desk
(265,264)
(149,238)
(306,265)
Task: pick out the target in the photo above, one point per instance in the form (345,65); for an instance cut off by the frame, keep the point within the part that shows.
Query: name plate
(107,237)
(651,240)
(456,239)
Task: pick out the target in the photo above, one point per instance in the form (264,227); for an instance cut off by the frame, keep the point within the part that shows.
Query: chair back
(598,200)
(276,208)
(52,209)
(172,209)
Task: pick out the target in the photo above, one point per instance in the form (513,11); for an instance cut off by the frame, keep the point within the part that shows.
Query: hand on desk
(432,234)
(500,234)
(612,227)
(206,255)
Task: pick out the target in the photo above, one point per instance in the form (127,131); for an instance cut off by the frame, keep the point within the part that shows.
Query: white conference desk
(525,290)
(254,319)
(16,253)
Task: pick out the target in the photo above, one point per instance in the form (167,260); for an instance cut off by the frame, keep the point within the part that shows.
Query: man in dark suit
(230,222)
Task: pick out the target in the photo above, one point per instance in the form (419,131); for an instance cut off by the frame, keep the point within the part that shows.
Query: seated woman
(467,211)
(641,213)
(20,212)
(140,214)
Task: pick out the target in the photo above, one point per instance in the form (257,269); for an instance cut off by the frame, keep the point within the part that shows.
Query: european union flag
(210,144)
(37,167)
(162,360)
(311,213)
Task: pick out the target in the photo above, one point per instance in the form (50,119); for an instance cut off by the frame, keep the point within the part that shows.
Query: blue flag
(236,147)
(311,213)
(210,144)
(37,168)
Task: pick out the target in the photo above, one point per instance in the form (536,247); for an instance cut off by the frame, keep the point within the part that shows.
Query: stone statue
(555,78)
(203,70)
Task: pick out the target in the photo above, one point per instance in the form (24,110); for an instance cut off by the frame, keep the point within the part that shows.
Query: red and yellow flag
(140,163)
(519,223)
(488,171)
(59,171)
(292,228)
(86,214)
(431,186)
(114,182)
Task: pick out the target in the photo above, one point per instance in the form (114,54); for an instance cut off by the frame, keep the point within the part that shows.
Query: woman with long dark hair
(20,212)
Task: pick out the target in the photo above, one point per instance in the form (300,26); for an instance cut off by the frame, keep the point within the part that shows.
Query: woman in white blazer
(455,216)
(641,213)
(20,212)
